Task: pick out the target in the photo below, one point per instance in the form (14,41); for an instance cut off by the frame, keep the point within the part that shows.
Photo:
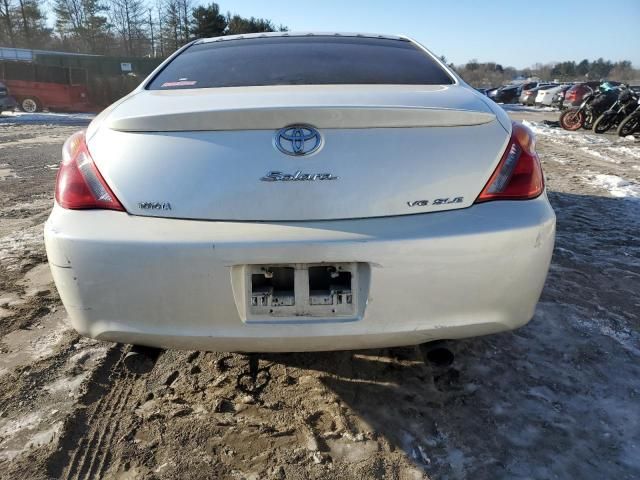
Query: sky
(516,33)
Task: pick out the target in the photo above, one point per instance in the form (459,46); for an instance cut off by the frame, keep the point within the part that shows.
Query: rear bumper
(7,102)
(168,283)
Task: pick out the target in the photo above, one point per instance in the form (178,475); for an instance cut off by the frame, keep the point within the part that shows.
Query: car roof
(300,34)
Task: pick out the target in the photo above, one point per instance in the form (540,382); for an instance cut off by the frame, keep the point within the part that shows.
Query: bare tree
(184,17)
(22,24)
(25,23)
(6,8)
(128,18)
(82,24)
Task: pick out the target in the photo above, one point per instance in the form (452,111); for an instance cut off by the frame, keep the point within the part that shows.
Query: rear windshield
(318,60)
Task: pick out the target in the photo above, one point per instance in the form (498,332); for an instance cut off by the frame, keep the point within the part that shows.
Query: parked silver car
(311,192)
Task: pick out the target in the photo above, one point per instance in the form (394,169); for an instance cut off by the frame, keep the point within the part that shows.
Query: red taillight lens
(79,184)
(519,174)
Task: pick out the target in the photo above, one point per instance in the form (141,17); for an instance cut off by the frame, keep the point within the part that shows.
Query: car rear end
(508,94)
(544,96)
(524,94)
(541,96)
(7,102)
(525,97)
(369,199)
(492,93)
(574,96)
(532,95)
(559,97)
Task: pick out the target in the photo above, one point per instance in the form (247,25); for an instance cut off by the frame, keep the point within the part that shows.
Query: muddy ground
(559,398)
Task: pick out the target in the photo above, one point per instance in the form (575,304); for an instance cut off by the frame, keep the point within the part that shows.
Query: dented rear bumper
(184,283)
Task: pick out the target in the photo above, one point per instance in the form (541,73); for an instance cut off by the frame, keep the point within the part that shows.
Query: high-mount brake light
(518,176)
(79,185)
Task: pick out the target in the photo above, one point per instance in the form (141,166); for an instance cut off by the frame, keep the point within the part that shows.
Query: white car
(297,192)
(545,97)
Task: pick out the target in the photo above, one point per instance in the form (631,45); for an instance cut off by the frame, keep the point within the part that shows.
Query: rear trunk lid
(211,154)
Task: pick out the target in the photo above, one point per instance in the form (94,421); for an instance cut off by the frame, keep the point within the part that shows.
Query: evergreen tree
(208,21)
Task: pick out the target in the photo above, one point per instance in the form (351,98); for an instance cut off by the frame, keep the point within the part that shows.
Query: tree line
(137,28)
(491,74)
(156,28)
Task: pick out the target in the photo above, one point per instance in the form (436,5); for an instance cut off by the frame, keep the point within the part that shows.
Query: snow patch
(38,140)
(44,437)
(25,433)
(57,398)
(6,173)
(69,385)
(617,186)
(22,118)
(595,153)
(11,427)
(631,152)
(559,135)
(28,346)
(603,147)
(525,108)
(14,246)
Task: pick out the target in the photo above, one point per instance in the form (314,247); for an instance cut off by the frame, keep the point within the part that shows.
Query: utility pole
(160,33)
(153,42)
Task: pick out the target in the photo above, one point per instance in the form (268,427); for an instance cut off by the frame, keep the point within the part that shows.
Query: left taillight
(518,176)
(79,185)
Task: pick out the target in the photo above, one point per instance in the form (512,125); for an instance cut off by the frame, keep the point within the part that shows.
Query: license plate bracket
(298,290)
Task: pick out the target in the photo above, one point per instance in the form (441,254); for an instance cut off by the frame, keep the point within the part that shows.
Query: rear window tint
(317,60)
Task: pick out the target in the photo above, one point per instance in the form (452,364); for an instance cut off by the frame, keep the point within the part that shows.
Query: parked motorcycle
(631,124)
(624,105)
(593,105)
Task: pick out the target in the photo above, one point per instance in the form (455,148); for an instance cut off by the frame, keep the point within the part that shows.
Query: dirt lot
(559,398)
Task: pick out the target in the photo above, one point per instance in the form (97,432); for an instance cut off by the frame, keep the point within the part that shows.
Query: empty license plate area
(329,286)
(273,287)
(295,290)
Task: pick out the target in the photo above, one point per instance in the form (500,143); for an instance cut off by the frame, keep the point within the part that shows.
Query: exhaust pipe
(437,354)
(140,360)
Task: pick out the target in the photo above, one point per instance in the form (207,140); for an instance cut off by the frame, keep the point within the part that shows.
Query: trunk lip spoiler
(328,117)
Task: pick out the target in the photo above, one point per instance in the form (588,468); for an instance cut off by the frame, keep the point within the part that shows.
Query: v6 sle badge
(437,201)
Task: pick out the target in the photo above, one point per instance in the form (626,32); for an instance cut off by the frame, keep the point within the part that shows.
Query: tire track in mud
(84,448)
(104,422)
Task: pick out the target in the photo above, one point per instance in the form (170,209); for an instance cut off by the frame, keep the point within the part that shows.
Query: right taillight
(518,176)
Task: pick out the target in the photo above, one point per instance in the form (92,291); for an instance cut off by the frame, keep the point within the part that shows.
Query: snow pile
(617,186)
(629,151)
(30,346)
(598,154)
(46,118)
(56,396)
(602,147)
(557,133)
(525,108)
